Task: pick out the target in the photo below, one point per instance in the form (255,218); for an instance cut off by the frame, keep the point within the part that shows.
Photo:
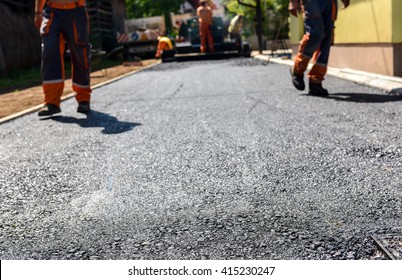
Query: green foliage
(275,13)
(235,8)
(150,8)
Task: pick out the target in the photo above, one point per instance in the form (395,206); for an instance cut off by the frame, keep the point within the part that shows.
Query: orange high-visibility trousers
(71,26)
(319,17)
(206,36)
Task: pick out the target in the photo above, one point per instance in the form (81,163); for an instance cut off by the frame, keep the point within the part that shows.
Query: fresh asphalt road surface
(205,160)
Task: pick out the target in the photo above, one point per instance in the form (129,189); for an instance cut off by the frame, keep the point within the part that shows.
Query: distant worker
(182,32)
(319,17)
(61,21)
(164,44)
(235,28)
(204,13)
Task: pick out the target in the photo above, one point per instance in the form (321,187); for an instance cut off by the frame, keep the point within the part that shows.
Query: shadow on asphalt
(110,124)
(364,97)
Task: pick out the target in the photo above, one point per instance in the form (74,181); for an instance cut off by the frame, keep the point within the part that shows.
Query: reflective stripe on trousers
(70,26)
(319,17)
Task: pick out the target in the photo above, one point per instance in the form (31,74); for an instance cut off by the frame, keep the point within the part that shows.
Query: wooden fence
(20,6)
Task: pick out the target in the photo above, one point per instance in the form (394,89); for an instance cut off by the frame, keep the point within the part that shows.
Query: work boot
(298,80)
(317,89)
(48,110)
(83,107)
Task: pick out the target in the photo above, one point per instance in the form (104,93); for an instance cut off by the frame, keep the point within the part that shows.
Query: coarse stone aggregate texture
(205,160)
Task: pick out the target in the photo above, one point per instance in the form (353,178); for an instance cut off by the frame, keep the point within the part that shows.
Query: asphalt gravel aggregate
(205,160)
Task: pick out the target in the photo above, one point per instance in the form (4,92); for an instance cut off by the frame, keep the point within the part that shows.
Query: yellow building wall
(397,21)
(364,21)
(296,29)
(366,29)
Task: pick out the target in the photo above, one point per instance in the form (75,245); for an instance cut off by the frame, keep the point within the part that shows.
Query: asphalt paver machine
(189,47)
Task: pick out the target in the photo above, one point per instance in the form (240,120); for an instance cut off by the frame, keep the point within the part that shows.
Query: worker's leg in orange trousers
(53,68)
(206,36)
(319,24)
(70,26)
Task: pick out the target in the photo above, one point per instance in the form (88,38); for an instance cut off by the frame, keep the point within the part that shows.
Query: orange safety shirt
(60,4)
(204,14)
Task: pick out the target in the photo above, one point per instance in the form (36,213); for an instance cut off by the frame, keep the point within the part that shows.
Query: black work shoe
(83,107)
(317,89)
(298,80)
(48,110)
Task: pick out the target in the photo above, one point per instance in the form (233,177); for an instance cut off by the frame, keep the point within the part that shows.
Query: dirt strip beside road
(21,100)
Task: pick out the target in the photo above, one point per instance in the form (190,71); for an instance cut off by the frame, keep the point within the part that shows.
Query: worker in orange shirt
(61,21)
(204,13)
(164,44)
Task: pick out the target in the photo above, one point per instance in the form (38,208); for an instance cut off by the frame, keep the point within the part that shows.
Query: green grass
(21,79)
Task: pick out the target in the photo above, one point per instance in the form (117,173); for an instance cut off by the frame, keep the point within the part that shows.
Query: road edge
(389,84)
(68,96)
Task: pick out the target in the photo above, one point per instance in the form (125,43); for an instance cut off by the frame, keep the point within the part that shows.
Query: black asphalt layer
(205,160)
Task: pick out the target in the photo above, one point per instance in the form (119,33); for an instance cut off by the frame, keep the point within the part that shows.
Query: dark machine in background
(189,49)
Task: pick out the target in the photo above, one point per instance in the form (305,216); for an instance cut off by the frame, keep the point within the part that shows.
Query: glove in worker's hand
(294,7)
(345,3)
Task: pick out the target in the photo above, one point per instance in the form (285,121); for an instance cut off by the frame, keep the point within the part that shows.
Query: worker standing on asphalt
(319,17)
(181,30)
(204,13)
(61,21)
(235,28)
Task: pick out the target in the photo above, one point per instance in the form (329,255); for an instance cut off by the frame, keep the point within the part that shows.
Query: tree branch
(246,4)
